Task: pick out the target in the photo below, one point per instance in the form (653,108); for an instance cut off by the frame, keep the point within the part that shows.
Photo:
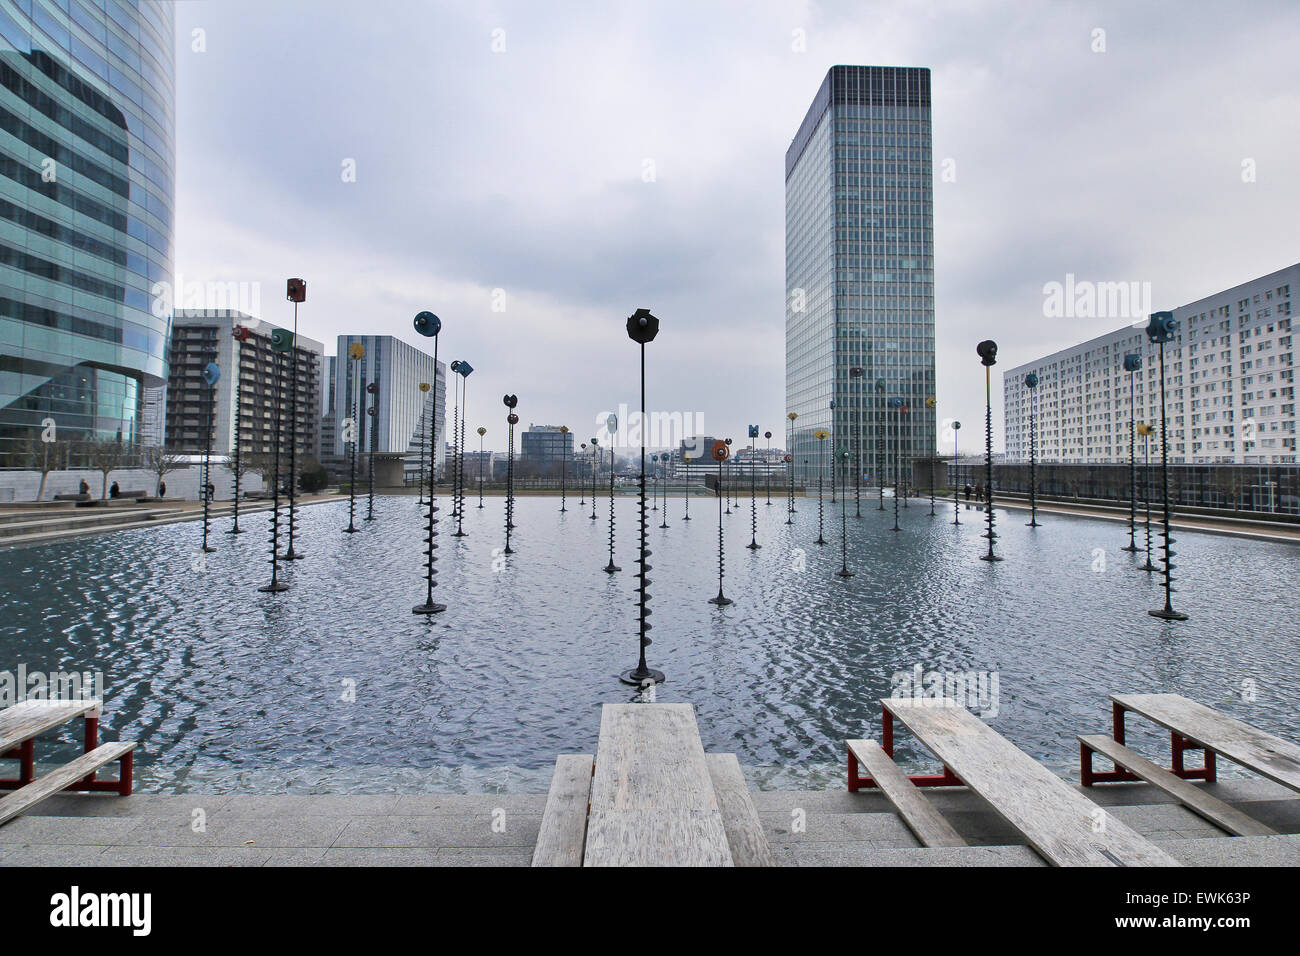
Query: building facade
(200,336)
(401,427)
(543,450)
(860,268)
(1229,380)
(87,104)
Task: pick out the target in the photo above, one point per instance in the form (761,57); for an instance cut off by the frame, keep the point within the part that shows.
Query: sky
(534,172)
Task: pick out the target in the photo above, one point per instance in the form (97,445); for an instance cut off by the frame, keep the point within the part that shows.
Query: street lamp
(429,325)
(1161,328)
(988,353)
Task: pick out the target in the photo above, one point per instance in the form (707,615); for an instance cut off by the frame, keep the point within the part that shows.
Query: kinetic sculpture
(429,325)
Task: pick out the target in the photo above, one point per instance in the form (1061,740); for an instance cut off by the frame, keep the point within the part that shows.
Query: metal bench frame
(1178,745)
(25,754)
(856,782)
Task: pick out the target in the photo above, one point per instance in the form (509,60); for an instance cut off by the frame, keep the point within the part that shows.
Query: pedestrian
(162,489)
(211,491)
(84,487)
(114,490)
(967,489)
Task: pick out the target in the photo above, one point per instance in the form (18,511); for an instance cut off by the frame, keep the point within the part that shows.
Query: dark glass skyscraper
(87,101)
(860,271)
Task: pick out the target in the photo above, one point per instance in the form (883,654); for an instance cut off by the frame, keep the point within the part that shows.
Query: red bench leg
(125,777)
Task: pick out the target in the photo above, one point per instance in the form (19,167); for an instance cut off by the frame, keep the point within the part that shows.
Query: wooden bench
(564,820)
(1056,820)
(652,796)
(22,723)
(1222,815)
(1193,726)
(925,822)
(72,497)
(744,827)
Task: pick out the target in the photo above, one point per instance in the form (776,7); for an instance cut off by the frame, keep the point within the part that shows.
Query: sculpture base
(720,601)
(1148,567)
(612,568)
(1168,615)
(350,530)
(291,556)
(235,531)
(430,608)
(989,557)
(275,588)
(207,549)
(753,546)
(844,573)
(637,678)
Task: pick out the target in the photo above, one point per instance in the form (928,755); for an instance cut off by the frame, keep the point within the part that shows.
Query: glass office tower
(860,273)
(86,157)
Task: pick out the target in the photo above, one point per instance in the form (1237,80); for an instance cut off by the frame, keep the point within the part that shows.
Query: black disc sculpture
(789,460)
(564,465)
(844,571)
(211,375)
(595,469)
(582,485)
(896,403)
(297,292)
(663,521)
(241,334)
(429,325)
(767,463)
(353,427)
(1132,365)
(1031,383)
(463,372)
(511,401)
(686,485)
(642,327)
(611,425)
(753,491)
(1146,431)
(481,432)
(988,353)
(720,451)
(454,464)
(281,342)
(1161,328)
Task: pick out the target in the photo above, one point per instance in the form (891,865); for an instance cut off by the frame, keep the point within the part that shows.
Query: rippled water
(225,687)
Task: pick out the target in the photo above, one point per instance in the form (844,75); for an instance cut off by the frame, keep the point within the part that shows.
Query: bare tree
(41,456)
(160,461)
(105,455)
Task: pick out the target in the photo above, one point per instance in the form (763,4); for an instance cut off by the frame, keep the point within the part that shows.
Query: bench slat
(31,718)
(921,817)
(744,827)
(1054,818)
(564,821)
(1255,749)
(23,799)
(1221,814)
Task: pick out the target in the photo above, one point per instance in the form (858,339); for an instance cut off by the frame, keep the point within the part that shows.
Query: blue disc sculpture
(429,325)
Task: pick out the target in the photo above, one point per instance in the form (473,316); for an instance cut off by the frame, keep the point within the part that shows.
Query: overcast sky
(524,170)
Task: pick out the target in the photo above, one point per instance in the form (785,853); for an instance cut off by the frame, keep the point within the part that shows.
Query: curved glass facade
(87,104)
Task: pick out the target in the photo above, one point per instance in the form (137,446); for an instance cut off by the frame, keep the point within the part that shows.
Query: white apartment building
(1229,376)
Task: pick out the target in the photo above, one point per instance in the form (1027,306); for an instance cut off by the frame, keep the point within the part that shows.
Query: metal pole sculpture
(455,438)
(1031,383)
(642,327)
(1146,431)
(880,477)
(351,428)
(373,414)
(429,325)
(211,375)
(463,371)
(296,292)
(511,421)
(790,459)
(753,491)
(727,474)
(654,482)
(720,451)
(821,435)
(582,485)
(481,432)
(844,571)
(900,474)
(663,464)
(767,464)
(564,464)
(686,485)
(988,353)
(930,403)
(1132,364)
(835,432)
(241,334)
(424,387)
(611,425)
(857,372)
(896,403)
(595,469)
(281,342)
(956,477)
(1161,328)
(789,463)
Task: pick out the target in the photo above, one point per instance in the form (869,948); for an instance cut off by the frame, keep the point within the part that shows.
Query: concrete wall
(181,484)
